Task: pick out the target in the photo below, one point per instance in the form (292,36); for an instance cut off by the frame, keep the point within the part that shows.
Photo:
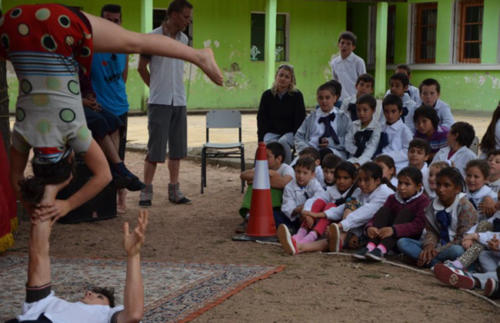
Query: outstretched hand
(133,241)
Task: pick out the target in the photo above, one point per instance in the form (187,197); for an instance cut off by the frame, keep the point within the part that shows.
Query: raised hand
(133,241)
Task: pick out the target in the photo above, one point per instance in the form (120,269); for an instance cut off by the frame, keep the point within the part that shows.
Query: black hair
(109,293)
(403,78)
(113,8)
(178,6)
(367,99)
(347,167)
(494,152)
(277,149)
(331,161)
(386,160)
(412,173)
(333,86)
(420,144)
(372,170)
(306,162)
(481,164)
(393,99)
(465,133)
(429,82)
(428,113)
(32,188)
(488,142)
(348,35)
(453,174)
(367,78)
(311,152)
(404,67)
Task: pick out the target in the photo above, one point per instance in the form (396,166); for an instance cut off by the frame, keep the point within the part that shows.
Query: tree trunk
(4,106)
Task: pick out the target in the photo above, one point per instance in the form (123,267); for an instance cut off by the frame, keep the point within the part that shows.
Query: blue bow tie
(444,220)
(329,132)
(360,140)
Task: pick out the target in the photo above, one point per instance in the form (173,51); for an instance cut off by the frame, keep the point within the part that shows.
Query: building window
(159,17)
(391,34)
(258,34)
(470,31)
(425,32)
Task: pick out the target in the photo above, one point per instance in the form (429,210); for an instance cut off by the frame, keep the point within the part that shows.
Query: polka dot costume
(47,45)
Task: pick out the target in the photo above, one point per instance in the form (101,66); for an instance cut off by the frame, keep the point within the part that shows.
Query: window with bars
(425,32)
(258,34)
(470,31)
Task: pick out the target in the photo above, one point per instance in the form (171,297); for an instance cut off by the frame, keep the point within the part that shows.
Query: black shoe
(376,254)
(361,253)
(135,185)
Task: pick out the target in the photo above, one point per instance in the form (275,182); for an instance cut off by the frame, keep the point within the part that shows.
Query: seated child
(398,86)
(395,136)
(431,184)
(457,152)
(413,91)
(403,215)
(318,210)
(448,218)
(494,163)
(491,139)
(485,237)
(364,85)
(363,137)
(428,128)
(429,94)
(325,128)
(388,171)
(353,216)
(328,166)
(314,154)
(280,174)
(296,193)
(478,192)
(418,153)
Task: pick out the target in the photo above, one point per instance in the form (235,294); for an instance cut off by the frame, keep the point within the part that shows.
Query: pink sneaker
(453,276)
(286,240)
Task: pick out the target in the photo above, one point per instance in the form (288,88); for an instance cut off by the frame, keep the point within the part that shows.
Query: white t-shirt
(167,77)
(347,71)
(61,311)
(286,169)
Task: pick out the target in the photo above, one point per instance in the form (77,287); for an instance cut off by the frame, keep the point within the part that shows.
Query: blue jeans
(413,248)
(281,218)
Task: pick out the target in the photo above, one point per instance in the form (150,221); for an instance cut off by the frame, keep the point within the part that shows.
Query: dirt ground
(312,288)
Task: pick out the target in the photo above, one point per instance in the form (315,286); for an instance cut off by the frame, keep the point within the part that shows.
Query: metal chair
(222,119)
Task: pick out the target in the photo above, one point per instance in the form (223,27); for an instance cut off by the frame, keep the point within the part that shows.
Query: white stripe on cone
(261,176)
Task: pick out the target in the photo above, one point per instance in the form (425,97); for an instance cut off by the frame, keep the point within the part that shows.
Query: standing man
(109,74)
(167,119)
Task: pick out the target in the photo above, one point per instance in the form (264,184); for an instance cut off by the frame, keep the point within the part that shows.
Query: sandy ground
(312,288)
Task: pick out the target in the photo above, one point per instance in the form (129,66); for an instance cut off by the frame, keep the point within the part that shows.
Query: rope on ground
(423,272)
(269,243)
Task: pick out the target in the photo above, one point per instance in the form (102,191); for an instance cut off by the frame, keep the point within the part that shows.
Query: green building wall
(314,26)
(224,25)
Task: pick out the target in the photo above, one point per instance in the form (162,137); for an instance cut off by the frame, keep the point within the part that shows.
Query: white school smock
(459,159)
(399,139)
(478,196)
(294,195)
(371,145)
(370,204)
(347,71)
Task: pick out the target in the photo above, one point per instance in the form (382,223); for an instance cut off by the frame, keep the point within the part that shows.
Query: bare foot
(121,205)
(51,190)
(207,63)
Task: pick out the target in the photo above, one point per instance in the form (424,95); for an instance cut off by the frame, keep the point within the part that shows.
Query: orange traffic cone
(261,221)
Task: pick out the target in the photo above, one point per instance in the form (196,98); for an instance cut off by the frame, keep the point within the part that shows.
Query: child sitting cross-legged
(403,215)
(427,127)
(457,152)
(431,184)
(318,170)
(363,137)
(395,136)
(399,83)
(448,218)
(325,128)
(318,210)
(364,85)
(354,215)
(297,192)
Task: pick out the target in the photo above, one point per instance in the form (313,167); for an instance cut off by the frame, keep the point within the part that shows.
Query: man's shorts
(101,123)
(166,124)
(123,135)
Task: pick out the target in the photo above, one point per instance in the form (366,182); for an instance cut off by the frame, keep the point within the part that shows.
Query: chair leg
(242,168)
(203,172)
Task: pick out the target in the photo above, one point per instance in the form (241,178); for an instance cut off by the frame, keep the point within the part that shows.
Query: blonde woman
(281,111)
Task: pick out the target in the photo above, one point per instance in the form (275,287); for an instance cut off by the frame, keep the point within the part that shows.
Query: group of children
(402,180)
